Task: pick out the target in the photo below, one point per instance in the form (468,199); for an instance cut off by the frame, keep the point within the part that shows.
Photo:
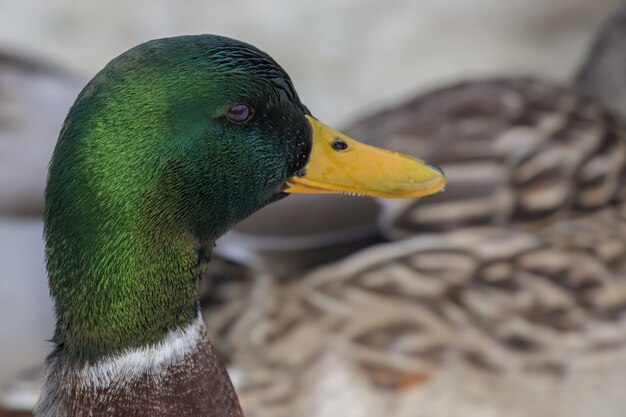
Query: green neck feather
(147,174)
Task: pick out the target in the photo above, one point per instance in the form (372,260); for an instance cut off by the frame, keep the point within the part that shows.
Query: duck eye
(239,113)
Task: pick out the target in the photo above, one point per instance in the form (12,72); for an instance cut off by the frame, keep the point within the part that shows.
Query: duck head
(164,150)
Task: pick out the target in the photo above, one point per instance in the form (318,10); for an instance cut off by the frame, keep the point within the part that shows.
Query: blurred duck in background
(512,303)
(512,299)
(483,321)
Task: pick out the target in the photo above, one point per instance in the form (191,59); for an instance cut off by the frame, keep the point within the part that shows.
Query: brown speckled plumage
(510,309)
(496,298)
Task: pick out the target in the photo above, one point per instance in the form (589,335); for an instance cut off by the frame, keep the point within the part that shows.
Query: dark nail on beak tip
(436,168)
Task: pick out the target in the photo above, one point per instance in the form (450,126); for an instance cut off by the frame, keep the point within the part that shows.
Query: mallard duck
(163,151)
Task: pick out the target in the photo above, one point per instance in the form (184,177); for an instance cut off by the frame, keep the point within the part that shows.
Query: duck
(167,147)
(263,323)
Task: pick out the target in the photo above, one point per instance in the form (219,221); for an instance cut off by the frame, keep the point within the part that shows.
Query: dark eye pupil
(238,113)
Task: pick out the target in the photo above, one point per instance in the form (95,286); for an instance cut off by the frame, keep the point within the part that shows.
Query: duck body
(163,151)
(483,321)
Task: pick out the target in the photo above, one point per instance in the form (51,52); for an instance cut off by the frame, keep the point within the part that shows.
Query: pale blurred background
(346,58)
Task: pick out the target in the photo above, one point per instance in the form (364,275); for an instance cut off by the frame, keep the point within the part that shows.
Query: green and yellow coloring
(150,170)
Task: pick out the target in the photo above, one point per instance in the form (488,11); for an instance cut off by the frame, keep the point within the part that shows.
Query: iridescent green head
(158,158)
(165,149)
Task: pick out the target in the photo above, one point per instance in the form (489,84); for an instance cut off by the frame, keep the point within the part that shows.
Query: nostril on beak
(436,168)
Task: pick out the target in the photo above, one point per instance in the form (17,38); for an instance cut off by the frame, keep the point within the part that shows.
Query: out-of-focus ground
(345,58)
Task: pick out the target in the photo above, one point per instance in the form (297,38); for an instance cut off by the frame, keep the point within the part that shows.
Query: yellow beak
(339,164)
